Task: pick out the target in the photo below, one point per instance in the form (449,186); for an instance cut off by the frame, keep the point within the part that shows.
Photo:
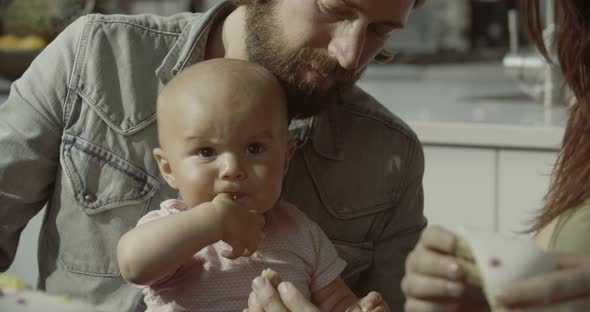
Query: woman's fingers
(439,239)
(429,262)
(555,287)
(417,305)
(427,287)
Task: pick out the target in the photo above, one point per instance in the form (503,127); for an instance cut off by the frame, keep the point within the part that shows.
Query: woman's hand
(434,280)
(566,289)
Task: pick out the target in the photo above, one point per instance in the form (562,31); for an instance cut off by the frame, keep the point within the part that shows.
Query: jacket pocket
(102,180)
(102,197)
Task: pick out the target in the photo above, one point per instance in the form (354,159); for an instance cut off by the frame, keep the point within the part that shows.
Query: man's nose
(348,43)
(231,168)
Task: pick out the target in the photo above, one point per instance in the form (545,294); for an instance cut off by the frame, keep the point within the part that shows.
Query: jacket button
(89,197)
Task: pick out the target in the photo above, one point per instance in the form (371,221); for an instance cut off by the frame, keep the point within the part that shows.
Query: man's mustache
(325,64)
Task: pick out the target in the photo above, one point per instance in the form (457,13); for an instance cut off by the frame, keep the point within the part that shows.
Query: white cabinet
(488,188)
(523,178)
(459,186)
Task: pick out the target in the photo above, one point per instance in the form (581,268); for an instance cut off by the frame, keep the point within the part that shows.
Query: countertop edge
(489,136)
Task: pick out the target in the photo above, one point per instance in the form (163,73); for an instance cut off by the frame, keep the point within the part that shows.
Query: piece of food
(492,260)
(12,282)
(468,263)
(272,276)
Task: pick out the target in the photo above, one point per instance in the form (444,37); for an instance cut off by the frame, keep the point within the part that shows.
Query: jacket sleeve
(31,123)
(401,228)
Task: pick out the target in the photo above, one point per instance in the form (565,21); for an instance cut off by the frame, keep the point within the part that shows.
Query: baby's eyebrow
(199,139)
(265,134)
(193,138)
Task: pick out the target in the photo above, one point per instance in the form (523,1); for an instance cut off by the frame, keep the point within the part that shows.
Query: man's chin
(307,103)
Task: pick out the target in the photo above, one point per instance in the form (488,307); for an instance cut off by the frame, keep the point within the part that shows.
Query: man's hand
(373,302)
(241,228)
(268,297)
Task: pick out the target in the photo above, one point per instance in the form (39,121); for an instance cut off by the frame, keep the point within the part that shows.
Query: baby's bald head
(219,86)
(222,125)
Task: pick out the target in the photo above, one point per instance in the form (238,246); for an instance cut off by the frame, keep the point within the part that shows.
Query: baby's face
(230,143)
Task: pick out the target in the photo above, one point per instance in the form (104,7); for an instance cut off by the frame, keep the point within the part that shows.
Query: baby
(224,145)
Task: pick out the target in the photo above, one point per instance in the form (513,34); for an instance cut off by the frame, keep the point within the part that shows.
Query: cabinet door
(523,180)
(459,187)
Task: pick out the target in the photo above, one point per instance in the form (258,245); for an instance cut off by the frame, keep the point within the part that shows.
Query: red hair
(570,182)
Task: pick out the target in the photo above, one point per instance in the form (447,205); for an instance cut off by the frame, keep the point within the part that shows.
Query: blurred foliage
(111,6)
(45,18)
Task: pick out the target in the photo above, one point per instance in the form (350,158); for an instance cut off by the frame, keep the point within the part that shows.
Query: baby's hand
(373,302)
(242,229)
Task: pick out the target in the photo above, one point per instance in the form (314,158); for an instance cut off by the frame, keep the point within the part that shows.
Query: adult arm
(31,123)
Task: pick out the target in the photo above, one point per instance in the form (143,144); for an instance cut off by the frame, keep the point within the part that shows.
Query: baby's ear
(291,148)
(164,166)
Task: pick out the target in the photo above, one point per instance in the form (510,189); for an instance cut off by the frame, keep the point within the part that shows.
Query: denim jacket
(77,133)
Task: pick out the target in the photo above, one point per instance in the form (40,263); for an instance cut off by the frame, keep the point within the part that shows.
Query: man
(77,130)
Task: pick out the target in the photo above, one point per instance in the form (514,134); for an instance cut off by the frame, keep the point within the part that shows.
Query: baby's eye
(206,152)
(255,148)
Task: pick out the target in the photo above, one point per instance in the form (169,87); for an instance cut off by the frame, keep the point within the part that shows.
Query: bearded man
(78,128)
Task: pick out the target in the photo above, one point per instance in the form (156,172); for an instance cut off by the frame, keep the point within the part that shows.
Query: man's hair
(417,4)
(384,56)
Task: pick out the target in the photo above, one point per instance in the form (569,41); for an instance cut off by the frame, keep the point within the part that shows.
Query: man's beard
(265,46)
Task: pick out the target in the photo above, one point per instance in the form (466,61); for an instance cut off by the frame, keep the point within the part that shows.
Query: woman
(433,280)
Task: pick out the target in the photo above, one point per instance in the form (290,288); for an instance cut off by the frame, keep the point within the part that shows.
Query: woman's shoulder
(572,230)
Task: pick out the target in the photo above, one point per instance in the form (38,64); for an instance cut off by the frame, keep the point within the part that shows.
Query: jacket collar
(327,132)
(191,44)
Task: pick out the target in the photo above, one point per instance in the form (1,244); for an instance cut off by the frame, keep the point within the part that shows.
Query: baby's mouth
(236,195)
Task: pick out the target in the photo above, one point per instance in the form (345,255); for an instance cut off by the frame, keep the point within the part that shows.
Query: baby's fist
(373,302)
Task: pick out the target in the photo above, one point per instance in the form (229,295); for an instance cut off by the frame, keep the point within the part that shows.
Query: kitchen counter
(465,105)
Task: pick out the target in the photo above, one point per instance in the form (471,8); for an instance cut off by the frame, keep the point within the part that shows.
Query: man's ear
(164,166)
(291,148)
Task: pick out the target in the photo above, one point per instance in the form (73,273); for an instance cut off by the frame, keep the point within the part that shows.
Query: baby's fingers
(236,252)
(258,219)
(373,302)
